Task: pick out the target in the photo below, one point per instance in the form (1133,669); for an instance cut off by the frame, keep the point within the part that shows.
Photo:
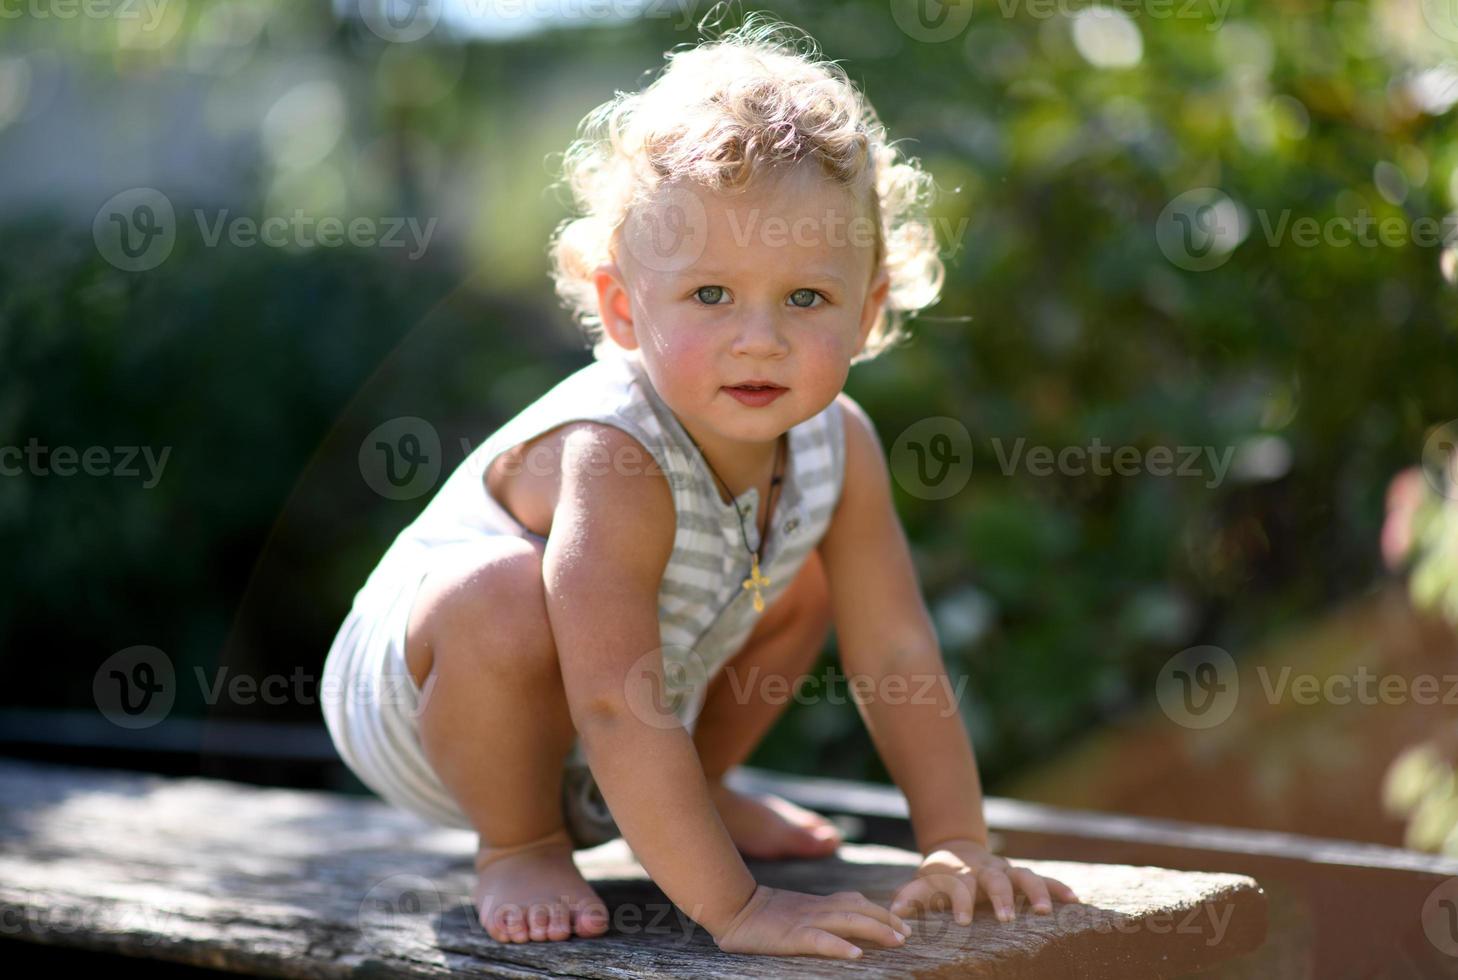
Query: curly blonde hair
(718,113)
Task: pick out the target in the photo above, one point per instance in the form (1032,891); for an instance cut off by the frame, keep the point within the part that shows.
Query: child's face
(772,284)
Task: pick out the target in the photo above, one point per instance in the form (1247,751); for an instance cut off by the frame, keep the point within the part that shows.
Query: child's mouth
(755,395)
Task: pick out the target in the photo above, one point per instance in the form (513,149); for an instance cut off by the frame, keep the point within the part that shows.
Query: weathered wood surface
(310,884)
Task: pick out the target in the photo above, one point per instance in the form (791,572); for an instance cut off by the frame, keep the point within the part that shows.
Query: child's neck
(741,465)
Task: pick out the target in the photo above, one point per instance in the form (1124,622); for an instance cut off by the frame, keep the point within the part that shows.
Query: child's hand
(956,868)
(788,923)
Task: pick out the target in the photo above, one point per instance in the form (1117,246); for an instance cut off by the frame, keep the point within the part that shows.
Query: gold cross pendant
(754,581)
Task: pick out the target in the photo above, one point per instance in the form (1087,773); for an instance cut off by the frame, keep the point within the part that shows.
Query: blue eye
(803,299)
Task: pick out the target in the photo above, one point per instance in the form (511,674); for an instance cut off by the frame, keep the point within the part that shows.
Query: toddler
(587,623)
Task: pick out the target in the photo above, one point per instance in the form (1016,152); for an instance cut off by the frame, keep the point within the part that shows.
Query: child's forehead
(781,187)
(790,217)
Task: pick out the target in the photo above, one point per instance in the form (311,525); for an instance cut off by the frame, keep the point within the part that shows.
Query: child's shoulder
(593,425)
(863,457)
(528,479)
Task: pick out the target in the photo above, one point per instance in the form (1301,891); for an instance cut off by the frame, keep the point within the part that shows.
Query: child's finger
(959,890)
(1032,886)
(916,893)
(1064,893)
(964,897)
(999,893)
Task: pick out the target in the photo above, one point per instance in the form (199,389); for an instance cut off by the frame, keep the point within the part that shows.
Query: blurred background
(1216,236)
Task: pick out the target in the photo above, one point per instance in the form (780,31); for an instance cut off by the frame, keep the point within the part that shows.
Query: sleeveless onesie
(704,613)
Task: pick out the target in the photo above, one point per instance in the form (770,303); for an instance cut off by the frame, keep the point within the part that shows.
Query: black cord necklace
(755,580)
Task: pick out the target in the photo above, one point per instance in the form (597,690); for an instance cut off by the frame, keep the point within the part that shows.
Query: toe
(509,924)
(560,926)
(590,918)
(538,919)
(816,841)
(827,834)
(516,926)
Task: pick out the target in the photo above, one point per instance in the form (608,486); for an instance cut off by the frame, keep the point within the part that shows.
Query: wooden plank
(1336,908)
(1019,817)
(291,883)
(1015,817)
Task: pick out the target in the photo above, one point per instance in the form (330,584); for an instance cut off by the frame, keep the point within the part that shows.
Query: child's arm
(889,649)
(612,535)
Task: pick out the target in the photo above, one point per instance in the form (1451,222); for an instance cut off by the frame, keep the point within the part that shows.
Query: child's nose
(759,334)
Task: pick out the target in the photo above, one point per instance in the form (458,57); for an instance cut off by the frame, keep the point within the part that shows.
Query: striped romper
(705,615)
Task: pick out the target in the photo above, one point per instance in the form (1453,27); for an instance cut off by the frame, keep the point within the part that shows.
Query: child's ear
(871,309)
(613,305)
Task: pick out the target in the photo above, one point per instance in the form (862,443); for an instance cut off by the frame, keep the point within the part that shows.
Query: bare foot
(534,893)
(766,826)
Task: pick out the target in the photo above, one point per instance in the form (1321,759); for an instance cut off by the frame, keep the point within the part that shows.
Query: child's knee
(490,609)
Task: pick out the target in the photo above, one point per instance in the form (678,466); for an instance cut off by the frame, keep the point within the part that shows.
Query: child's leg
(740,707)
(493,716)
(785,643)
(494,725)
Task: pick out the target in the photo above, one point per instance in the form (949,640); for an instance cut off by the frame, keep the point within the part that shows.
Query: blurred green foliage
(1319,369)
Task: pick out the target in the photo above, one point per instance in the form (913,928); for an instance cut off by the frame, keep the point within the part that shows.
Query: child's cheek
(825,357)
(692,352)
(688,356)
